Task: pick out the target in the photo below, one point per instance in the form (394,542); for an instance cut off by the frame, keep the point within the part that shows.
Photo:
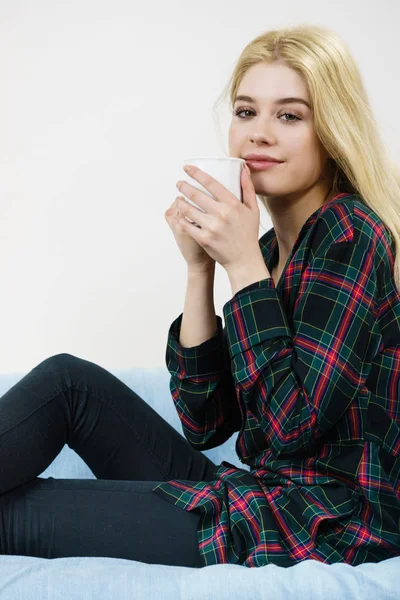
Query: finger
(193,213)
(216,189)
(200,198)
(189,228)
(173,210)
(248,191)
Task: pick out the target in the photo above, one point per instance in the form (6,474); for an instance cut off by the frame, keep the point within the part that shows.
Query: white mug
(225,170)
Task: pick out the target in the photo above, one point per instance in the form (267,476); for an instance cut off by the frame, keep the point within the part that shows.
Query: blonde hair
(343,118)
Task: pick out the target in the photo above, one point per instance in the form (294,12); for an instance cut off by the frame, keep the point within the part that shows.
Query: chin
(270,191)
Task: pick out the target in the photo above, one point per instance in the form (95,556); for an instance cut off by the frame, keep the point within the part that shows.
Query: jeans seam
(35,411)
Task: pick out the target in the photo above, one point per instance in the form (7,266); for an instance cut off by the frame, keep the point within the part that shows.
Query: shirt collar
(269,243)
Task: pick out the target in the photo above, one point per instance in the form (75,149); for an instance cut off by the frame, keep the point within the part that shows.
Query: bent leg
(70,400)
(54,518)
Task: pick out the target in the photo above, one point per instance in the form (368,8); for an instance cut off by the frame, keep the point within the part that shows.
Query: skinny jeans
(127,445)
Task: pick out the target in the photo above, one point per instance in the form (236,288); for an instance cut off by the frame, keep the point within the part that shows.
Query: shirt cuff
(255,314)
(202,360)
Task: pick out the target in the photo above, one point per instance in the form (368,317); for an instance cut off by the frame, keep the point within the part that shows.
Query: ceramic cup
(225,170)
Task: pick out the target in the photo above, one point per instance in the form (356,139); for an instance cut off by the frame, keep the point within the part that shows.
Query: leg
(70,400)
(53,518)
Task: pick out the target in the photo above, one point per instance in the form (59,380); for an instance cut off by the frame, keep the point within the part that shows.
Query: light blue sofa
(78,578)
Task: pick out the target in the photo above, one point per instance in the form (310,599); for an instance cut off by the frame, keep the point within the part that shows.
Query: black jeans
(128,446)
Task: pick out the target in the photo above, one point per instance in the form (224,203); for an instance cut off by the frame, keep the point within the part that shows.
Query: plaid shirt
(308,372)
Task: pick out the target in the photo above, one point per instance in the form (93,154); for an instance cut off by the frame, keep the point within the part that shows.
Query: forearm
(199,322)
(242,276)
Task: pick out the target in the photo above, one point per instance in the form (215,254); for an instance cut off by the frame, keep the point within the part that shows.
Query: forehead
(267,82)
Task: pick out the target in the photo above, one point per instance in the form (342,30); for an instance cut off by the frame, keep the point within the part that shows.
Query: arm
(197,357)
(299,377)
(199,321)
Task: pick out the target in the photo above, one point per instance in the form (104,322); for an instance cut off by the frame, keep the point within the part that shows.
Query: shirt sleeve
(202,388)
(299,375)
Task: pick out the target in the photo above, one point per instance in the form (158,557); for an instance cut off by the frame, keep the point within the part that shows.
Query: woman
(307,367)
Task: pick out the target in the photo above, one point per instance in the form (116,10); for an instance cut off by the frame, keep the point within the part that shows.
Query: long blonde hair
(343,117)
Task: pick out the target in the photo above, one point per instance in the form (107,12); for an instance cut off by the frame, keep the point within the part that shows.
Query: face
(284,131)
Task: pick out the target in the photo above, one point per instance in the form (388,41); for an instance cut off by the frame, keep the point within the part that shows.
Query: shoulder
(352,222)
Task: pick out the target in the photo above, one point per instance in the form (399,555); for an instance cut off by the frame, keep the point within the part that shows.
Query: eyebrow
(278,101)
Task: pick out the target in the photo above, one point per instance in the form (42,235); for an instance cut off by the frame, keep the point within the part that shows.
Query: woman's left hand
(229,228)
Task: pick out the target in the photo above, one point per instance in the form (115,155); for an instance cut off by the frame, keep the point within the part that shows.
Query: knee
(60,360)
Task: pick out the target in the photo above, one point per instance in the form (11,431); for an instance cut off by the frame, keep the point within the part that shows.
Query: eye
(238,111)
(296,118)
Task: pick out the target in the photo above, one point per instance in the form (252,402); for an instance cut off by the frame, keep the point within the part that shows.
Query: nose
(258,138)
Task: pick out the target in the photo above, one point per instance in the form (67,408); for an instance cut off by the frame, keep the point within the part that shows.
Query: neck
(289,213)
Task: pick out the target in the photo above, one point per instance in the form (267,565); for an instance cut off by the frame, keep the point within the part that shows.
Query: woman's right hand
(196,257)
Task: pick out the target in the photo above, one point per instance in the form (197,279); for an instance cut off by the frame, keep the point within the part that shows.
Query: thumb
(248,191)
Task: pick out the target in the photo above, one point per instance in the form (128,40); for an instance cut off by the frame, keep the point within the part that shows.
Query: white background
(89,90)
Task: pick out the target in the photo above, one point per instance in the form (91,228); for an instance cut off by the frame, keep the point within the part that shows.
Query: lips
(261,165)
(261,158)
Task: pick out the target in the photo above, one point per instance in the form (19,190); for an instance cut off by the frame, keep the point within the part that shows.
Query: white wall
(88,263)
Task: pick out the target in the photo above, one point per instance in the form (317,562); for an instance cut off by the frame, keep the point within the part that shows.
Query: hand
(228,228)
(195,256)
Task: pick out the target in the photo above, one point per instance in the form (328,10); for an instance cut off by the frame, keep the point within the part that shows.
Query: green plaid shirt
(308,373)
